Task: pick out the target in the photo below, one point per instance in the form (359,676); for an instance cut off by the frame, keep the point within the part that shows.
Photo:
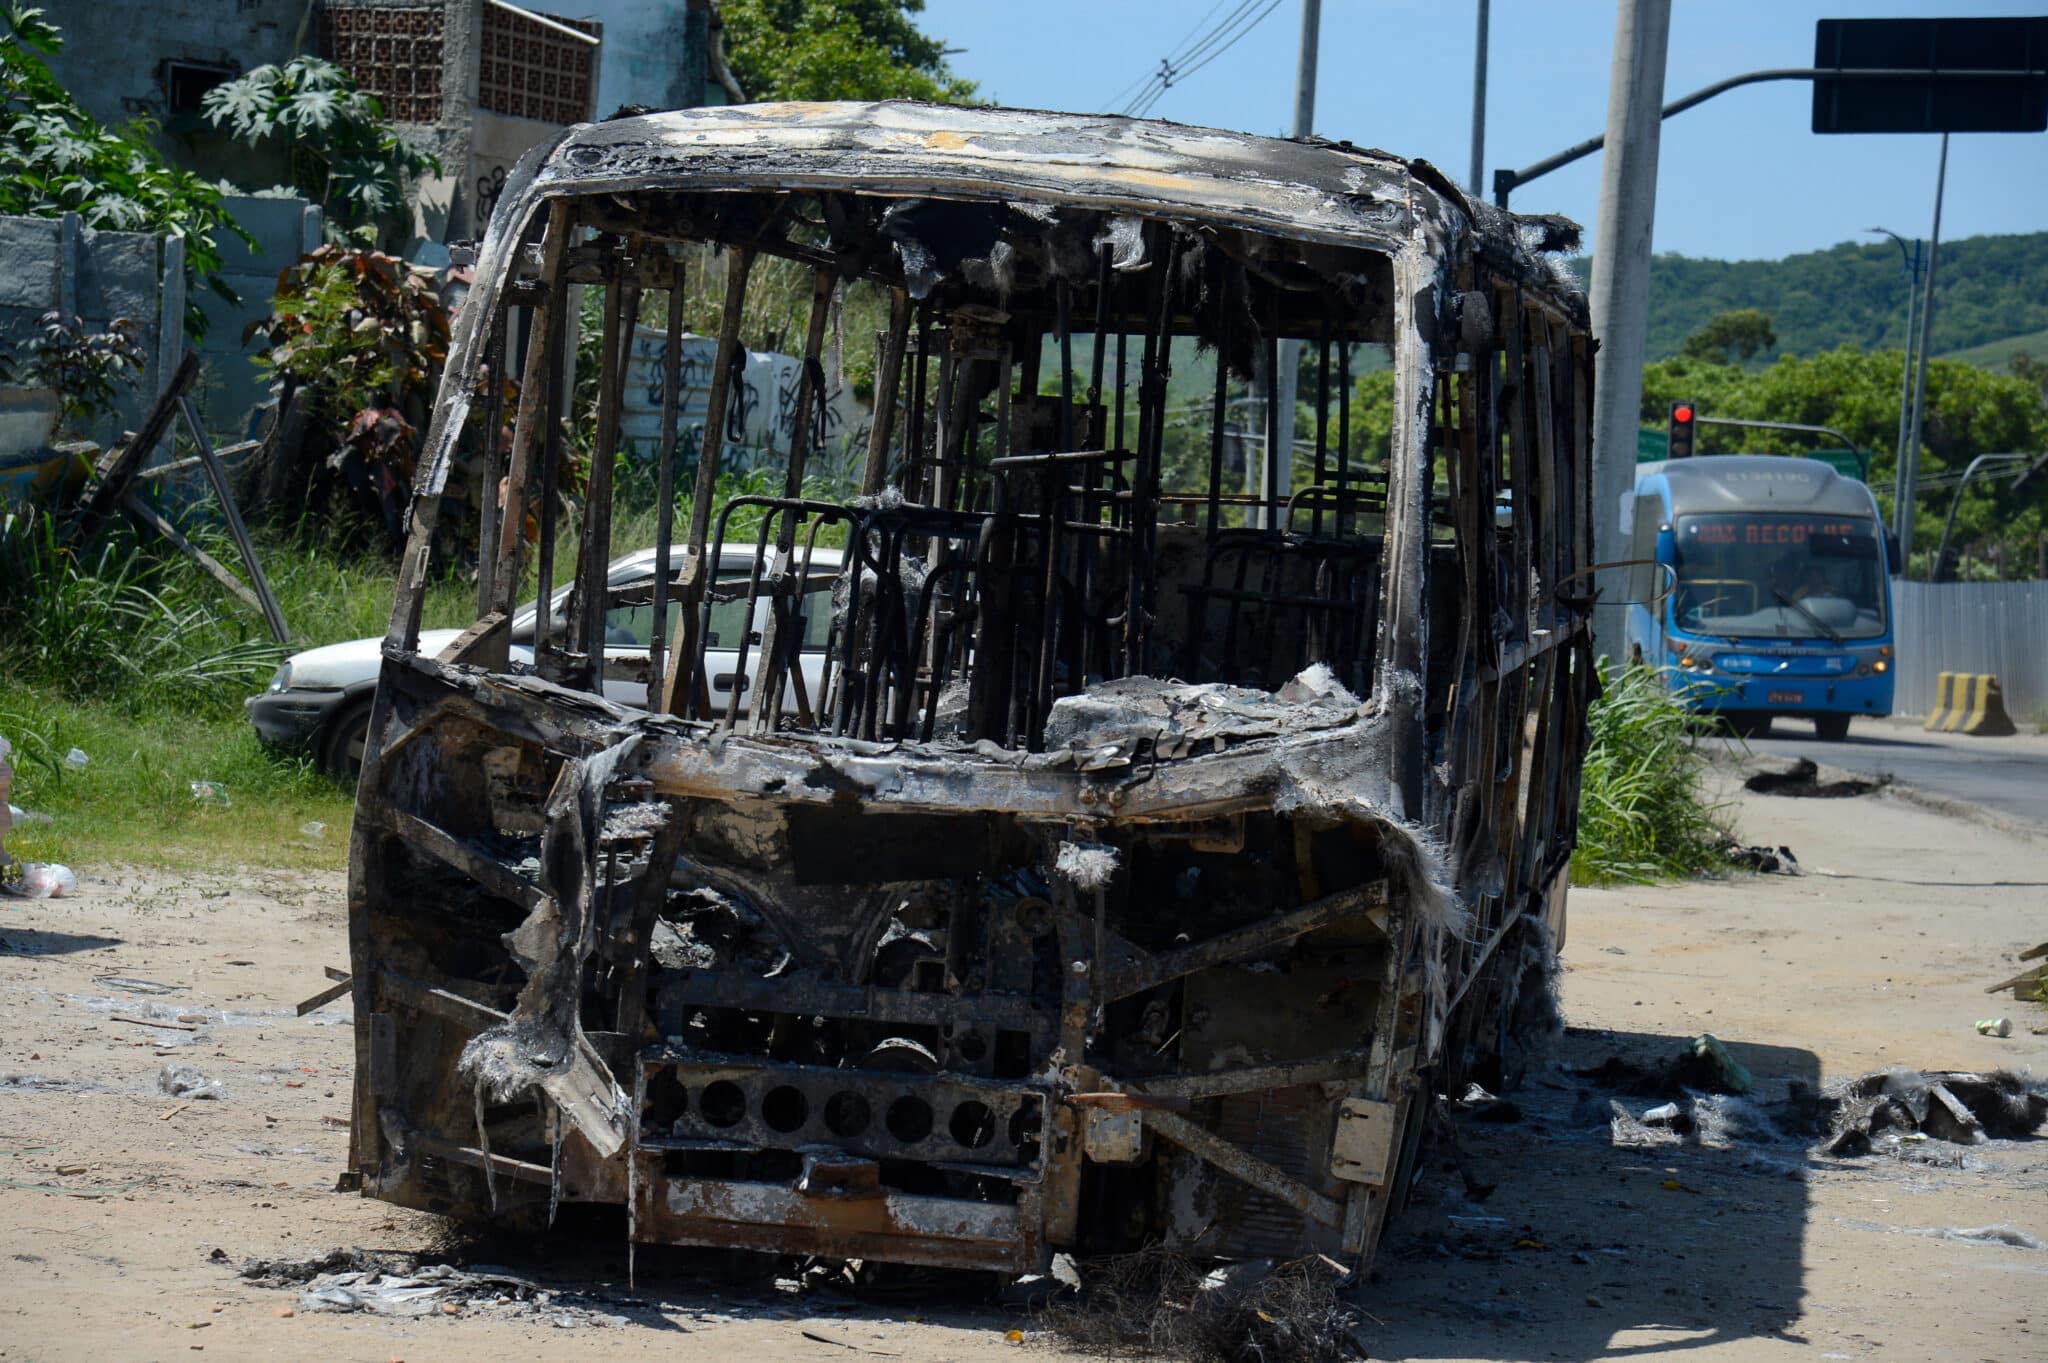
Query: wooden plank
(147,515)
(273,614)
(119,470)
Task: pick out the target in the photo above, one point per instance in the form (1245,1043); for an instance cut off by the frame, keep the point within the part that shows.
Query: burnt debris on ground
(1158,1301)
(1803,779)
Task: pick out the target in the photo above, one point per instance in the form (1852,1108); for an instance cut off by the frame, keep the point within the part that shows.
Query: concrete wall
(116,62)
(58,263)
(230,383)
(654,51)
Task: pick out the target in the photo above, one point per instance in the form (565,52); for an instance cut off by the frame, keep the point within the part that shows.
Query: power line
(1164,75)
(1254,23)
(1197,50)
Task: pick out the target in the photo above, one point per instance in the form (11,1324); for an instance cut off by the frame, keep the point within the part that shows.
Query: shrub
(1644,812)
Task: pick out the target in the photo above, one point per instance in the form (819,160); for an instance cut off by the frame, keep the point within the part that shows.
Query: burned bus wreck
(1142,831)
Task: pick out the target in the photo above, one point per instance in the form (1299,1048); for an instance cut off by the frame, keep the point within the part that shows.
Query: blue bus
(1780,599)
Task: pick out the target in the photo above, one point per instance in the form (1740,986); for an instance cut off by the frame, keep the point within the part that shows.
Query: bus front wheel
(1831,728)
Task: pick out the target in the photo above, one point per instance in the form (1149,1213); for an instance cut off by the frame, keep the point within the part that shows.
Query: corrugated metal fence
(1997,627)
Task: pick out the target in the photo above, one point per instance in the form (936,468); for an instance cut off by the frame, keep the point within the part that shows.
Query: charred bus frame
(1149,850)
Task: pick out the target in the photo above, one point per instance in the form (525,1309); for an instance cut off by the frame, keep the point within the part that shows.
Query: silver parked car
(318,701)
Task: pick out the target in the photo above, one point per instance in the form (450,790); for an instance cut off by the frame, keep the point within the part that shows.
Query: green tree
(1970,411)
(344,156)
(55,158)
(836,49)
(1731,337)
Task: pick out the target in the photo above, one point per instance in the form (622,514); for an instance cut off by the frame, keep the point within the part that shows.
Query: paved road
(2009,776)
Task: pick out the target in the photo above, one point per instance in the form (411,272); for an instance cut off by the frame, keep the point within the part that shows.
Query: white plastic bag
(46,880)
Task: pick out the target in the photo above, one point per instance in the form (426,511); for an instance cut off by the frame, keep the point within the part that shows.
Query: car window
(632,626)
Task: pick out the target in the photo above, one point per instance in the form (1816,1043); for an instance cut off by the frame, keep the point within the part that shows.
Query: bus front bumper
(1714,692)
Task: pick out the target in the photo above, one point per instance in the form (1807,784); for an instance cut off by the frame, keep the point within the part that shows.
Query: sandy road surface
(115,1198)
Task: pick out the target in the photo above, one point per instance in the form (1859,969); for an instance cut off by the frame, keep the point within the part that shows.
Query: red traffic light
(1681,413)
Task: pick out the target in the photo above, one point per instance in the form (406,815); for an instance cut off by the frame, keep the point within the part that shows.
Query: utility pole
(1621,276)
(1282,384)
(1477,183)
(1909,266)
(1910,472)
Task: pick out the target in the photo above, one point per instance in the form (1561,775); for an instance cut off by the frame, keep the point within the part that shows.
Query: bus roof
(1301,188)
(1757,482)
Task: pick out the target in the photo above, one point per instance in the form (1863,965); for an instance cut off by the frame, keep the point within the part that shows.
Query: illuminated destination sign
(1774,531)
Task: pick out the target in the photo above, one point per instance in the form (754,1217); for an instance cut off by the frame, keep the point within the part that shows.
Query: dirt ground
(123,1211)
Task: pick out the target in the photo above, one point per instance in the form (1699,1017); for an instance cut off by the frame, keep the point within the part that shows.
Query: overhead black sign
(1941,87)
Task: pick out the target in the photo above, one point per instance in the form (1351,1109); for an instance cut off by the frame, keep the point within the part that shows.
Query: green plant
(344,156)
(119,625)
(86,370)
(836,49)
(1644,810)
(55,158)
(361,328)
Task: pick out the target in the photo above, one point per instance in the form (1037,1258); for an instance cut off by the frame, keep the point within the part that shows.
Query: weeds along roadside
(132,656)
(1645,808)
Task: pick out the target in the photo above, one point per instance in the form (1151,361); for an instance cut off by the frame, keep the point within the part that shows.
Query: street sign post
(1963,75)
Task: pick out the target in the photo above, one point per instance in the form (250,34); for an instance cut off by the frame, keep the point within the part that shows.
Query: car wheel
(343,754)
(1831,728)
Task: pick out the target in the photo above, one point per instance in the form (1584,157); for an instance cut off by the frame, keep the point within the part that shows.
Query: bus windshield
(1800,577)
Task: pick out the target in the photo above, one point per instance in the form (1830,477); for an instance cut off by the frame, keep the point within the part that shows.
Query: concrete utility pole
(1284,383)
(1621,280)
(1909,472)
(1478,181)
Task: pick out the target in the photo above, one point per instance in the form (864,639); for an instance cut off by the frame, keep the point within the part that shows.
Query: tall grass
(116,623)
(1644,810)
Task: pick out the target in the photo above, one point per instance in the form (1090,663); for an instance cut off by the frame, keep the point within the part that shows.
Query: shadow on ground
(16,941)
(1587,1250)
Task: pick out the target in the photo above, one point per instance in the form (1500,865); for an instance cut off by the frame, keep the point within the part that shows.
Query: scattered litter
(350,1281)
(1954,1106)
(1481,1106)
(76,759)
(1987,1235)
(327,995)
(152,1022)
(1770,861)
(41,880)
(313,829)
(1015,1337)
(132,985)
(182,1081)
(1802,779)
(2031,983)
(1706,1065)
(211,793)
(1994,1027)
(1162,1302)
(25,817)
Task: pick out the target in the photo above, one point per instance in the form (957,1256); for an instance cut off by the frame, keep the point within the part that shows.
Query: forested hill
(1987,289)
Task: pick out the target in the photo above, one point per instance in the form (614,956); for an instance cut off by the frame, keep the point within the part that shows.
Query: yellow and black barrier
(1969,703)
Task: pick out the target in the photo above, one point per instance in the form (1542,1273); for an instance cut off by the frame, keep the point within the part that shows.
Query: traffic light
(1684,422)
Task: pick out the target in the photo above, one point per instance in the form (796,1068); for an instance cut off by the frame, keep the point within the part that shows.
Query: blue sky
(1741,176)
